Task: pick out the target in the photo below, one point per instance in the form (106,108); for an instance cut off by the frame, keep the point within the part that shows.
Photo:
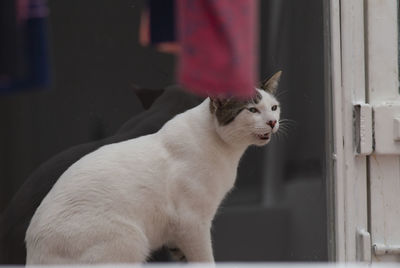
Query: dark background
(277,211)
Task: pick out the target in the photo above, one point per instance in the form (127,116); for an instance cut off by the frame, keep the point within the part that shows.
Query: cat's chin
(261,140)
(262,143)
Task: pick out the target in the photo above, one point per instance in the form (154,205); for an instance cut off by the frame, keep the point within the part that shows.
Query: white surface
(363,246)
(381,250)
(337,157)
(238,265)
(363,113)
(351,170)
(386,130)
(396,129)
(383,86)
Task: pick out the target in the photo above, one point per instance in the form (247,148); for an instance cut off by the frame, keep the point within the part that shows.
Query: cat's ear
(147,96)
(271,85)
(217,103)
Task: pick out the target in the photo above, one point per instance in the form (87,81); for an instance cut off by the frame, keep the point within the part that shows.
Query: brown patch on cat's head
(226,110)
(271,85)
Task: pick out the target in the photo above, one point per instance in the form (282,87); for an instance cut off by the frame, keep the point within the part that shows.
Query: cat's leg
(131,246)
(119,251)
(177,254)
(195,243)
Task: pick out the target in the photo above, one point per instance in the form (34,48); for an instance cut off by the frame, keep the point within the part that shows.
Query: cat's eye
(274,107)
(253,110)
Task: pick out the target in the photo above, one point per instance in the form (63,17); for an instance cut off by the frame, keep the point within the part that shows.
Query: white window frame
(363,68)
(383,91)
(348,87)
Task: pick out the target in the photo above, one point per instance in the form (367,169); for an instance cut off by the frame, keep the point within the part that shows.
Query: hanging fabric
(216,42)
(24,62)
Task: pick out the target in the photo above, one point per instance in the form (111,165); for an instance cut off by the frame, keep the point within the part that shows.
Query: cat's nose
(271,123)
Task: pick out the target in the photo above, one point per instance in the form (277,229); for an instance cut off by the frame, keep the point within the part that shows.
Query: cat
(160,106)
(124,200)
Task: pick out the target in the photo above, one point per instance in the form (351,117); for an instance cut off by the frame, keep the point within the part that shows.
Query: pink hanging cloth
(218,39)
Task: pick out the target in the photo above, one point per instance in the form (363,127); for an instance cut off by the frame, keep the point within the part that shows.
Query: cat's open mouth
(265,136)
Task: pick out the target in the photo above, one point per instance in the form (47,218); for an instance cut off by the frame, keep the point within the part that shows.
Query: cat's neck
(201,123)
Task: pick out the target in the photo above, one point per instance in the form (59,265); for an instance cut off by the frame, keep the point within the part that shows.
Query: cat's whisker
(287,122)
(282,128)
(283,131)
(278,136)
(284,134)
(286,127)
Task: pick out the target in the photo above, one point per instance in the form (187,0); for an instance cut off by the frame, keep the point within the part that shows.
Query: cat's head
(251,121)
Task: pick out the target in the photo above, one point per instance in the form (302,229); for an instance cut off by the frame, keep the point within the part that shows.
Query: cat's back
(118,159)
(103,180)
(102,193)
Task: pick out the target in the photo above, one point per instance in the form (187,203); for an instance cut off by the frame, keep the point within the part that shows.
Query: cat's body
(124,200)
(15,219)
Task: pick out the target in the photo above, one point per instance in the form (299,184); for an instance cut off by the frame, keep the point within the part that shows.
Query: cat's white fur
(124,200)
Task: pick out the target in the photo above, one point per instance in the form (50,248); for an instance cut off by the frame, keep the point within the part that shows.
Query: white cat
(124,200)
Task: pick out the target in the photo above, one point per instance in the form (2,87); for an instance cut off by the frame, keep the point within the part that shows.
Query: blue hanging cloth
(24,60)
